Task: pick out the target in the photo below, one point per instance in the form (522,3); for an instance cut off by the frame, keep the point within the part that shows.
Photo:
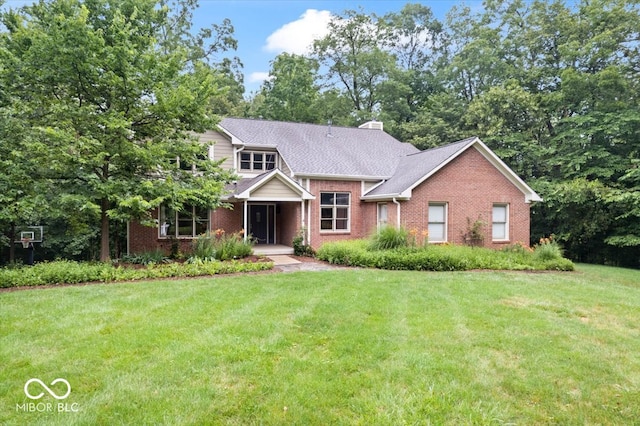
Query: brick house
(335,183)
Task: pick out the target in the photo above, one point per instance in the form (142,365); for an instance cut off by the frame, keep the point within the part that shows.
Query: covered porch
(272,208)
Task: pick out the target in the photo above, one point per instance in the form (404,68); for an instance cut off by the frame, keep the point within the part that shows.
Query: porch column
(246,220)
(302,224)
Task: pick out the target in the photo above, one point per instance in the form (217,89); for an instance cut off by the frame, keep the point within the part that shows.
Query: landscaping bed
(70,272)
(443,257)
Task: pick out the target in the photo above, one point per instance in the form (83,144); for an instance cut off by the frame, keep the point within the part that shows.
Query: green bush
(548,249)
(300,248)
(146,258)
(222,246)
(435,258)
(388,238)
(68,272)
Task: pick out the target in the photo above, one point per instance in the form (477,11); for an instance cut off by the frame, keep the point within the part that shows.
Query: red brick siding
(470,185)
(362,215)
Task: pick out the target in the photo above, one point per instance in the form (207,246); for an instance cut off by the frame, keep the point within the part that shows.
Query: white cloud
(258,77)
(297,36)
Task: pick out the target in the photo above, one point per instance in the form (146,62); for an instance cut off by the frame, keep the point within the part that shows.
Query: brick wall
(470,186)
(362,215)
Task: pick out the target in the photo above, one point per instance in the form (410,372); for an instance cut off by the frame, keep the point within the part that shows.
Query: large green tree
(291,92)
(113,91)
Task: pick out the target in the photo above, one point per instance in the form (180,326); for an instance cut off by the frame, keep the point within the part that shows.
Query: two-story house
(334,183)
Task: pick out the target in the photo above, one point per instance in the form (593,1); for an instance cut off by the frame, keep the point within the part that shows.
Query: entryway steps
(271,249)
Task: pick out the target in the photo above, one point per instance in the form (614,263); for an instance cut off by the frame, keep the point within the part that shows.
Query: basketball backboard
(33,233)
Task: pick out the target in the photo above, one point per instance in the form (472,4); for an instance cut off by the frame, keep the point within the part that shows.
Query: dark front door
(262,223)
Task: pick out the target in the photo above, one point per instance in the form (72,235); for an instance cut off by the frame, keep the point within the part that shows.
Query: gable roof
(312,150)
(247,188)
(414,169)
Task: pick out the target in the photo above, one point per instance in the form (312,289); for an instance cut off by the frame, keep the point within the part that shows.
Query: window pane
(245,165)
(500,213)
(245,156)
(436,214)
(326,213)
(326,224)
(342,213)
(326,198)
(185,228)
(342,199)
(436,232)
(270,161)
(257,161)
(499,231)
(341,224)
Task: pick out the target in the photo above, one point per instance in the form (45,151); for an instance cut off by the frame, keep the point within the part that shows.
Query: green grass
(337,347)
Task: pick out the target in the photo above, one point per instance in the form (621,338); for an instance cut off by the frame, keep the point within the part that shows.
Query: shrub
(547,249)
(436,258)
(204,248)
(299,247)
(222,246)
(388,238)
(68,272)
(146,258)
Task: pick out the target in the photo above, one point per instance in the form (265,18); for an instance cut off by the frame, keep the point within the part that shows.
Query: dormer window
(257,161)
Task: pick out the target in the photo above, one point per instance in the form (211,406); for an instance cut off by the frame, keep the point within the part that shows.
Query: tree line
(99,98)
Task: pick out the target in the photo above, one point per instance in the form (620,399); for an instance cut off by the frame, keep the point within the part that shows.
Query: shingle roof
(412,168)
(312,149)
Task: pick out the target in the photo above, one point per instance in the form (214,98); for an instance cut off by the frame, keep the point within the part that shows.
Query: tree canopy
(110,93)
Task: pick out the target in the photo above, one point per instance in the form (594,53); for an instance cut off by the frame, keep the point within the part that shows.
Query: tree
(113,90)
(290,93)
(355,58)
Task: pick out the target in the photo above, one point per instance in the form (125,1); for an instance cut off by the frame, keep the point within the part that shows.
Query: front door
(262,221)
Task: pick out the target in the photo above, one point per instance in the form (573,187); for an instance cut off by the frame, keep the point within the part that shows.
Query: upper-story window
(186,164)
(257,161)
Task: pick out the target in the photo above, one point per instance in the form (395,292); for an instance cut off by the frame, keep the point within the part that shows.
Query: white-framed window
(500,222)
(188,223)
(334,211)
(383,215)
(185,164)
(437,222)
(257,161)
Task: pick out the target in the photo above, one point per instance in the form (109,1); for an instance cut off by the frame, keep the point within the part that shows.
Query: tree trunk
(104,231)
(12,245)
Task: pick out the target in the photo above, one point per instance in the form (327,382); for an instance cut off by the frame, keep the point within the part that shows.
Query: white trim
(446,220)
(529,194)
(334,217)
(506,223)
(276,174)
(378,205)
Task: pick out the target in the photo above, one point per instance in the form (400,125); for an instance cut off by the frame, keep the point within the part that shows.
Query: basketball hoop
(25,242)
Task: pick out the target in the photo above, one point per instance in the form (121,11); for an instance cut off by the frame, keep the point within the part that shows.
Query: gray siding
(222,148)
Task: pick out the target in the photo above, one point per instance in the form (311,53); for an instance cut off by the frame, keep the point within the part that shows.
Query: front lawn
(335,347)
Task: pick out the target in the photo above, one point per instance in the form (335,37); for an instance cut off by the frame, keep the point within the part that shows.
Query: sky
(266,28)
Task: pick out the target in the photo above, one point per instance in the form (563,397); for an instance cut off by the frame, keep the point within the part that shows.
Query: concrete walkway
(285,263)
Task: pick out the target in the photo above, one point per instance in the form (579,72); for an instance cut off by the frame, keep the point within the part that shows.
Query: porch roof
(273,185)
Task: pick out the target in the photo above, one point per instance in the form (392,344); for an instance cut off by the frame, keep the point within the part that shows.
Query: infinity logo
(52,393)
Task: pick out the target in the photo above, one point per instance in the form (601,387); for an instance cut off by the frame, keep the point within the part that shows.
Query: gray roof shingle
(312,149)
(414,167)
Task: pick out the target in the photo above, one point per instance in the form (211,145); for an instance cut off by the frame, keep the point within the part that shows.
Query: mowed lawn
(337,347)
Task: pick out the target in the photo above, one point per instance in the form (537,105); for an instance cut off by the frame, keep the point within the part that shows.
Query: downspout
(397,203)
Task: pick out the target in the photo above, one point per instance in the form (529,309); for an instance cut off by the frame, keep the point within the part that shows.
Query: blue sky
(265,28)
